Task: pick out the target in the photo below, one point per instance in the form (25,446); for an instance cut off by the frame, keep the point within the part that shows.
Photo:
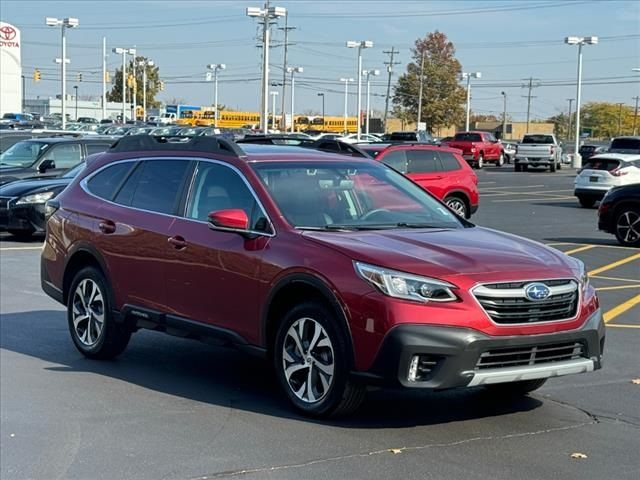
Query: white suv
(603,172)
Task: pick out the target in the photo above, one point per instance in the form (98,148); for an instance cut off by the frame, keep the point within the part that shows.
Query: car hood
(22,187)
(445,253)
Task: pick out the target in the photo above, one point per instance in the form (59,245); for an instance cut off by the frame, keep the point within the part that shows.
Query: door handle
(178,242)
(107,226)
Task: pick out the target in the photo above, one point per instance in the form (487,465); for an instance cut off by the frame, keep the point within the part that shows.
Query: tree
(606,119)
(153,84)
(442,97)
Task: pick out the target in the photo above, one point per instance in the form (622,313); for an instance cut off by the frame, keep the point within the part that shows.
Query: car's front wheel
(92,325)
(480,162)
(312,363)
(586,202)
(628,226)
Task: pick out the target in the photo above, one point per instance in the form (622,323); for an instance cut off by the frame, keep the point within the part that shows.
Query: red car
(478,148)
(439,170)
(339,271)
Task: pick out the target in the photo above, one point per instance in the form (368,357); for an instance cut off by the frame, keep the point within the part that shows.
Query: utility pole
(286,30)
(635,115)
(504,116)
(531,85)
(104,78)
(421,87)
(389,65)
(24,96)
(570,100)
(621,104)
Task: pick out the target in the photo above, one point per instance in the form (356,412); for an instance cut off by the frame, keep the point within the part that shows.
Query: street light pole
(468,77)
(322,95)
(346,103)
(504,115)
(570,100)
(359,45)
(292,71)
(64,24)
(215,67)
(124,52)
(368,74)
(274,94)
(75,87)
(580,41)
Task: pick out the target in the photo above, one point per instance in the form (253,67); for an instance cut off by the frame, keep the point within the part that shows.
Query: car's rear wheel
(92,325)
(518,167)
(501,160)
(628,226)
(458,205)
(586,202)
(480,162)
(516,388)
(311,359)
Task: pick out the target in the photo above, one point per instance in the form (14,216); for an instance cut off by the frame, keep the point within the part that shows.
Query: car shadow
(35,238)
(573,204)
(227,377)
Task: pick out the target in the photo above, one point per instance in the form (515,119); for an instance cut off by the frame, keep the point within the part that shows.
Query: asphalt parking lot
(175,409)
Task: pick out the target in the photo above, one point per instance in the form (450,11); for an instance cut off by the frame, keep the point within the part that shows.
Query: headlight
(41,197)
(583,275)
(406,286)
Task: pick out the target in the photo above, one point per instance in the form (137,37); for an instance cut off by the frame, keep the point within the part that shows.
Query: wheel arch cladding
(80,258)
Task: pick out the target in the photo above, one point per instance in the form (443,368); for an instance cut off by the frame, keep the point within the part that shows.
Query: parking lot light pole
(64,24)
(215,67)
(368,74)
(293,71)
(580,41)
(144,64)
(274,94)
(265,14)
(124,52)
(322,95)
(468,77)
(504,115)
(75,94)
(359,45)
(346,102)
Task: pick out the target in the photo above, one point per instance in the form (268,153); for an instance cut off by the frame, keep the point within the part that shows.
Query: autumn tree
(606,119)
(442,97)
(153,84)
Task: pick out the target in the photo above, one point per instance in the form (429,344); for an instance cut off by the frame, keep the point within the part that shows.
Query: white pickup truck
(538,150)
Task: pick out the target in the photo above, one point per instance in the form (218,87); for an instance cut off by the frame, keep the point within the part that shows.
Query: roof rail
(208,144)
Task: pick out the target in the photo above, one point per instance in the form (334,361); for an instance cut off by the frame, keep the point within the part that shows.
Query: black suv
(414,137)
(47,157)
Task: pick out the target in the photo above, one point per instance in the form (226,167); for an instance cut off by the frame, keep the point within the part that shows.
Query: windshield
(22,154)
(545,139)
(351,196)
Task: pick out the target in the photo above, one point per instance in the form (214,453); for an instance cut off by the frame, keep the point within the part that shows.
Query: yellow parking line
(3,249)
(620,309)
(615,264)
(579,249)
(619,325)
(617,287)
(615,279)
(563,243)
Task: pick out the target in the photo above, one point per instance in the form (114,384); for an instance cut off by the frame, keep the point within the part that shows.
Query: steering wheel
(368,215)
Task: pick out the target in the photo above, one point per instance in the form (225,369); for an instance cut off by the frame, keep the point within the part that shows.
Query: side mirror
(45,165)
(231,219)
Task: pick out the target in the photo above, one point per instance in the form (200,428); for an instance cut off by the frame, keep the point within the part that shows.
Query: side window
(65,155)
(97,147)
(396,159)
(217,187)
(423,161)
(449,161)
(105,183)
(155,185)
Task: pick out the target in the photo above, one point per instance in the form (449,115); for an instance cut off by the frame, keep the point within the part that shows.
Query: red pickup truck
(478,148)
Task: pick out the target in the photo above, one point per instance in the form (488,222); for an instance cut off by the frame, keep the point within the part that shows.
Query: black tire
(500,161)
(22,234)
(458,205)
(586,202)
(113,338)
(560,165)
(342,396)
(515,389)
(627,226)
(552,167)
(480,162)
(517,167)
(525,168)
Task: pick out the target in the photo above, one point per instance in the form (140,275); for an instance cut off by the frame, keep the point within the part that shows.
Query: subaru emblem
(536,291)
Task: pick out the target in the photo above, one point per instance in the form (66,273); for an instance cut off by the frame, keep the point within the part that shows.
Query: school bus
(328,124)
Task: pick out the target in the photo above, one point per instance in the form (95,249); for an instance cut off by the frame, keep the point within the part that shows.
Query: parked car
(22,202)
(588,151)
(47,157)
(619,213)
(364,138)
(478,148)
(603,172)
(538,150)
(87,120)
(625,145)
(413,137)
(11,137)
(338,271)
(509,151)
(439,170)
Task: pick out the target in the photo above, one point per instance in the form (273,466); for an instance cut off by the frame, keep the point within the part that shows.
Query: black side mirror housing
(46,165)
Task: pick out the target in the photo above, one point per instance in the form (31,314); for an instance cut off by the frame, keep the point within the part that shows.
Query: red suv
(339,271)
(441,171)
(478,148)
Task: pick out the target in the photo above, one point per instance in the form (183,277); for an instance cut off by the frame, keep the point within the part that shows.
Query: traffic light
(36,75)
(79,77)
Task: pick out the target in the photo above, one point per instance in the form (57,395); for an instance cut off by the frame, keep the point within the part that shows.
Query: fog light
(413,368)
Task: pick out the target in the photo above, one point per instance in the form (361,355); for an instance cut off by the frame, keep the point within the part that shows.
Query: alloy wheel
(628,226)
(457,206)
(88,312)
(308,360)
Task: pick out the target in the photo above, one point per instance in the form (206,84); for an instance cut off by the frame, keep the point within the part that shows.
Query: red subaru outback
(339,271)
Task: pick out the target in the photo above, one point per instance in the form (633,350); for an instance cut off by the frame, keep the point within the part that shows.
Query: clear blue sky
(506,40)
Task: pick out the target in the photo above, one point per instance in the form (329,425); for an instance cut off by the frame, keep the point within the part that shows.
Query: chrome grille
(530,355)
(506,303)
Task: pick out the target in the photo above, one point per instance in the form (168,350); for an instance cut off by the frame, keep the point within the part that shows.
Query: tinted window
(626,144)
(65,155)
(154,185)
(467,137)
(105,183)
(602,164)
(449,161)
(97,147)
(423,161)
(329,146)
(544,139)
(403,136)
(396,159)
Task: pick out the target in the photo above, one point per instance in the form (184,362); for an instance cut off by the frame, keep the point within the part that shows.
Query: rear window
(632,144)
(602,164)
(587,148)
(467,137)
(105,183)
(544,139)
(403,136)
(449,161)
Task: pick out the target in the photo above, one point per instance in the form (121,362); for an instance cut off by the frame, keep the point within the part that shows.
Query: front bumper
(455,353)
(27,218)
